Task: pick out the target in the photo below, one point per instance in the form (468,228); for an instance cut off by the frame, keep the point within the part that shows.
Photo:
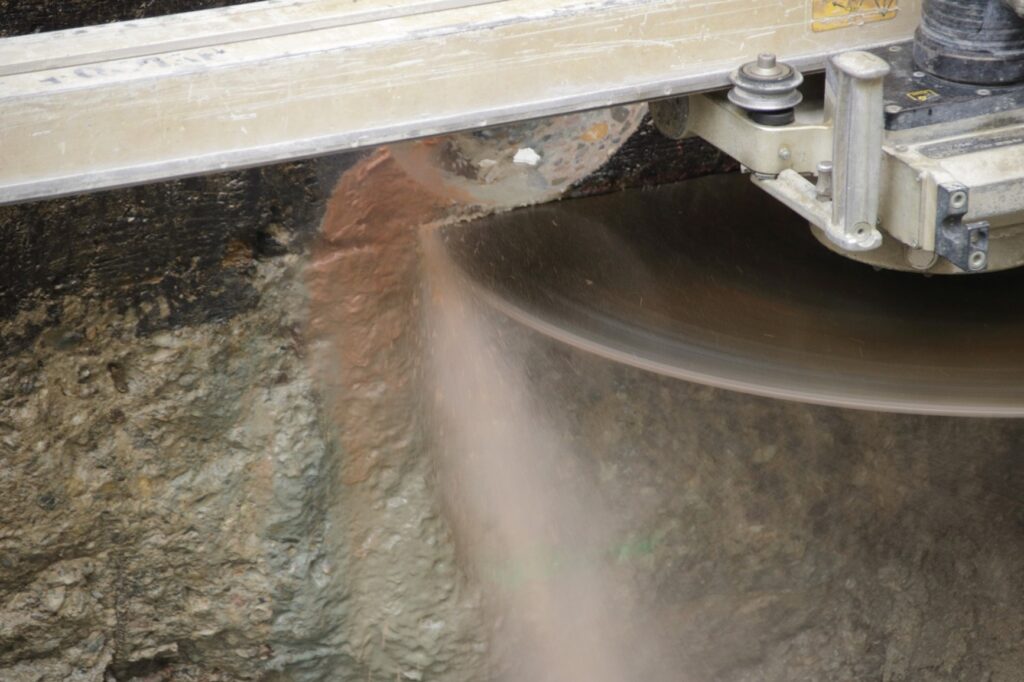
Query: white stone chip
(527,156)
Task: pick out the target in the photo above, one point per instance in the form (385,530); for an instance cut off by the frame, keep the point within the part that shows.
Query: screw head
(862,234)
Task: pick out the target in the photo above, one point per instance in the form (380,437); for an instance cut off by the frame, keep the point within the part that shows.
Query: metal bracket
(855,95)
(965,245)
(844,205)
(763,149)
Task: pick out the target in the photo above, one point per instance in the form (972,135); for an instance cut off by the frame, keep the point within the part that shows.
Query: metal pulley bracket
(763,149)
(852,119)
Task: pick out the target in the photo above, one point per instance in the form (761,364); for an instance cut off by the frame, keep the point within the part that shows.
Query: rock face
(217,461)
(217,464)
(198,482)
(410,612)
(164,495)
(783,542)
(166,471)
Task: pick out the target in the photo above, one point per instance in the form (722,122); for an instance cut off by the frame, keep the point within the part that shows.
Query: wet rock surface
(177,253)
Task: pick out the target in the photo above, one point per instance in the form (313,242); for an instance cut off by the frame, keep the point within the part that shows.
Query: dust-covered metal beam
(128,103)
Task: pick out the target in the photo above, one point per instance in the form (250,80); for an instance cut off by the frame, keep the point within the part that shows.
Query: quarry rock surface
(217,461)
(776,541)
(189,492)
(213,455)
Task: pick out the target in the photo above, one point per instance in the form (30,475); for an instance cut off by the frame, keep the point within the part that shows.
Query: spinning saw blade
(712,281)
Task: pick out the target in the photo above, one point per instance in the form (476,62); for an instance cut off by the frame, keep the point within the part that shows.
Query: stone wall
(217,464)
(216,459)
(213,451)
(166,471)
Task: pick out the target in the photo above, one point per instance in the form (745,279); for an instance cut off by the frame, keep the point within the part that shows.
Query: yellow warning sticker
(923,95)
(832,14)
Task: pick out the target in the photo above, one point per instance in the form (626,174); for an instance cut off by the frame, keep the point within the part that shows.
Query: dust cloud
(531,531)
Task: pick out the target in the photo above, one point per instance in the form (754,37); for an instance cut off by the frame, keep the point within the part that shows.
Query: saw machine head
(911,157)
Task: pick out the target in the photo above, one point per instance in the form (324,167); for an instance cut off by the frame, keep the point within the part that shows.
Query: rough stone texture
(163,457)
(774,541)
(480,167)
(164,494)
(211,475)
(648,158)
(179,502)
(412,614)
(178,252)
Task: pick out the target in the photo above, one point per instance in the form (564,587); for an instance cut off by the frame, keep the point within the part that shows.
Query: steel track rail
(129,103)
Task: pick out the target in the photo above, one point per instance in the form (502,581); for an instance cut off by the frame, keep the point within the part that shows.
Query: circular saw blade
(713,281)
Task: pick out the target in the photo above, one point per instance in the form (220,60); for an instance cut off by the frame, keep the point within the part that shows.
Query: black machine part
(971,41)
(915,98)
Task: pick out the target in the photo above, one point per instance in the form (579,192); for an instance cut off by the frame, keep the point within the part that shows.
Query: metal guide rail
(133,102)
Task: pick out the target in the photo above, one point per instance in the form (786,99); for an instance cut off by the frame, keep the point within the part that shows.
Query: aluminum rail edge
(134,102)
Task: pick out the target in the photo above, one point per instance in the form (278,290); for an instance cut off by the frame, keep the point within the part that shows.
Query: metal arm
(855,97)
